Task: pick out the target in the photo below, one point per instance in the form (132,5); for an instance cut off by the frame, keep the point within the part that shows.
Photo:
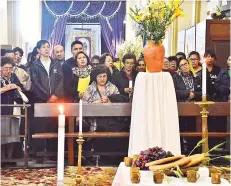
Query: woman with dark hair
(126,75)
(77,82)
(31,57)
(101,87)
(102,91)
(10,87)
(140,65)
(188,87)
(173,64)
(107,60)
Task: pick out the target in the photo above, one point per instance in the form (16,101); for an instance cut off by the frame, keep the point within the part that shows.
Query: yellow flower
(162,13)
(179,13)
(156,17)
(139,18)
(174,4)
(218,13)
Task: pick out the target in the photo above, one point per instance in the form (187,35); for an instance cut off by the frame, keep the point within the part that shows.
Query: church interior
(119,92)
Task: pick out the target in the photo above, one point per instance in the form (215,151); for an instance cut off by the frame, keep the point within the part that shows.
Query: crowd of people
(101,79)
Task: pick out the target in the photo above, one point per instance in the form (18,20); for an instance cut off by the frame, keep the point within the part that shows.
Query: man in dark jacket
(213,71)
(47,87)
(76,46)
(222,83)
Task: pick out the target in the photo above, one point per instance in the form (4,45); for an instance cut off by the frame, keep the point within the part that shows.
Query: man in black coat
(76,46)
(47,87)
(222,83)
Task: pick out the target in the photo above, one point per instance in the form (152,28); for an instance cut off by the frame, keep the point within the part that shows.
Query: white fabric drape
(154,114)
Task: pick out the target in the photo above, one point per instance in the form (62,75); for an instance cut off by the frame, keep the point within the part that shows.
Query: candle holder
(80,141)
(204,117)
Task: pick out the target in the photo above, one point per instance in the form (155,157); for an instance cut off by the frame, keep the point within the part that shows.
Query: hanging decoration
(83,13)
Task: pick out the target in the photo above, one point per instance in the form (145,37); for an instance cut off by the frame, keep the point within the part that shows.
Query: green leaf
(178,170)
(216,147)
(166,178)
(198,144)
(177,173)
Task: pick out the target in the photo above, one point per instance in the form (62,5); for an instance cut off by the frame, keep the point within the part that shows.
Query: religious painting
(87,39)
(86,44)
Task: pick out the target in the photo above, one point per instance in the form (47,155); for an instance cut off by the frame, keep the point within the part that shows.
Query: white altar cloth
(122,178)
(154,119)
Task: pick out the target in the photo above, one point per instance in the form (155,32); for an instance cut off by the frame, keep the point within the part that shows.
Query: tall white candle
(80,117)
(61,139)
(204,70)
(130,83)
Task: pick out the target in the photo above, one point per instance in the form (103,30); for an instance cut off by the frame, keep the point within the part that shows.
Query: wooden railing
(120,109)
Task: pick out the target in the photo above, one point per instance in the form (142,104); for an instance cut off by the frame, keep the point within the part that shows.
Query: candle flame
(61,109)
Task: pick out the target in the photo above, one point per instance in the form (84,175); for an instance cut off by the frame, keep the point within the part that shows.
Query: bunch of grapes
(149,155)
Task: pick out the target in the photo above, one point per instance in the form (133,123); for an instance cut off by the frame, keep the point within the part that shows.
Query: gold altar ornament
(192,176)
(204,116)
(80,141)
(216,178)
(158,177)
(128,161)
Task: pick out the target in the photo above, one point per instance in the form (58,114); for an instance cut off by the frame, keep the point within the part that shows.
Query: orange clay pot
(154,56)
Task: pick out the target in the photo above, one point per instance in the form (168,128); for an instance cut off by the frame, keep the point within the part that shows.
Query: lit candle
(80,116)
(130,83)
(204,70)
(61,139)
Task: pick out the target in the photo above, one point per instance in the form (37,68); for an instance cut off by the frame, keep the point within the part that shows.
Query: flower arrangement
(156,17)
(218,14)
(134,47)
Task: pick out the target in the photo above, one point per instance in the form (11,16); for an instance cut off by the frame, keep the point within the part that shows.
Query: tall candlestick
(130,83)
(204,70)
(80,116)
(61,139)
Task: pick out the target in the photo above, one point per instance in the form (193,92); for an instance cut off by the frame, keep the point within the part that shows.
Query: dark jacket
(10,96)
(45,85)
(67,66)
(121,81)
(210,89)
(222,85)
(182,94)
(71,81)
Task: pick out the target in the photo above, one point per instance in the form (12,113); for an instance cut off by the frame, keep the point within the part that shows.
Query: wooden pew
(119,109)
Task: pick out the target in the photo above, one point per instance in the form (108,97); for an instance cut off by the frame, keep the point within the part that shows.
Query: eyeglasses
(101,76)
(193,59)
(183,65)
(8,68)
(143,65)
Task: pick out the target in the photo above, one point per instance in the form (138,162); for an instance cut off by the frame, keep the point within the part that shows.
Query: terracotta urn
(154,56)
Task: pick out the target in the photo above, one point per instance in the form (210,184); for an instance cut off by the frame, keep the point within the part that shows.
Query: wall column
(197,12)
(3,22)
(174,36)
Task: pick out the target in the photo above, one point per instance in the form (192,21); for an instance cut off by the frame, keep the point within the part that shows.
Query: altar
(122,178)
(154,114)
